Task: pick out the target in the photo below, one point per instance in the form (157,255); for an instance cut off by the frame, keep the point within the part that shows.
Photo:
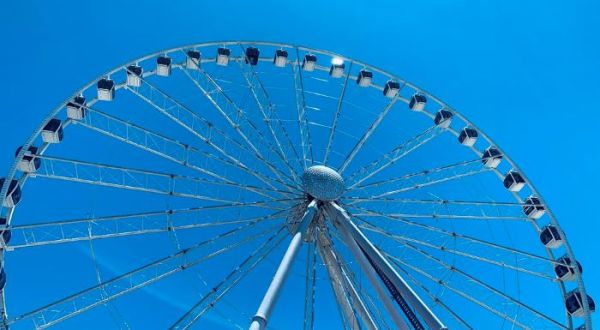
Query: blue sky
(524,72)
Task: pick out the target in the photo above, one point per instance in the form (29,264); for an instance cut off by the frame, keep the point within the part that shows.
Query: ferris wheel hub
(323,183)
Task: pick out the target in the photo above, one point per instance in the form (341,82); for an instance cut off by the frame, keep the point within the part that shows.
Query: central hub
(323,183)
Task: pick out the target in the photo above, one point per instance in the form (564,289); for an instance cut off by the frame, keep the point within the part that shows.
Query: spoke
(263,101)
(206,84)
(445,235)
(338,111)
(425,178)
(471,280)
(435,298)
(341,296)
(361,290)
(199,126)
(367,135)
(311,283)
(157,144)
(209,300)
(447,215)
(433,202)
(125,178)
(393,156)
(60,232)
(87,299)
(341,279)
(369,271)
(410,303)
(401,264)
(503,264)
(301,109)
(439,208)
(114,312)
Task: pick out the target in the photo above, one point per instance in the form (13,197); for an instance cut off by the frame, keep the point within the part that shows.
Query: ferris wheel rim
(12,173)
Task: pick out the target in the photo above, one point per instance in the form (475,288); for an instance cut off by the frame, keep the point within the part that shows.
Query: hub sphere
(323,183)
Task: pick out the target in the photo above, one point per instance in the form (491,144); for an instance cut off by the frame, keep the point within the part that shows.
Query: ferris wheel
(265,185)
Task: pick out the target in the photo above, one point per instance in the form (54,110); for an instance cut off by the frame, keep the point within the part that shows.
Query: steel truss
(374,208)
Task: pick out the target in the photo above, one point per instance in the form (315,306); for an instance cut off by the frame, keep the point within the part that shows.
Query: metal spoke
(352,278)
(209,300)
(311,283)
(409,302)
(445,235)
(404,239)
(435,298)
(343,303)
(263,101)
(490,203)
(342,280)
(160,145)
(370,273)
(425,178)
(470,280)
(445,215)
(367,135)
(393,156)
(400,264)
(125,178)
(67,231)
(305,139)
(114,312)
(208,86)
(439,208)
(337,114)
(199,126)
(87,299)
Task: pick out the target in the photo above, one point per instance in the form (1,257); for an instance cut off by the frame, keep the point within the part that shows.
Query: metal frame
(395,154)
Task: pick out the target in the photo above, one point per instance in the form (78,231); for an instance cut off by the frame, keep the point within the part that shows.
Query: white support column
(347,227)
(259,321)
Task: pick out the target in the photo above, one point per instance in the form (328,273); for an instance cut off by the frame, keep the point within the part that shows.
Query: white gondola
(417,102)
(134,75)
(252,55)
(533,208)
(337,70)
(491,157)
(468,137)
(280,59)
(13,195)
(514,181)
(76,108)
(443,118)
(29,163)
(223,56)
(163,66)
(391,89)
(565,268)
(106,89)
(574,303)
(53,131)
(550,237)
(364,78)
(309,63)
(192,61)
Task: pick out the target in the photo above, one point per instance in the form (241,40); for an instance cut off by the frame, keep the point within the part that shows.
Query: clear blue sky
(524,72)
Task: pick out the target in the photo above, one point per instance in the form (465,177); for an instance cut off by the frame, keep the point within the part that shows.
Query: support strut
(259,321)
(401,292)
